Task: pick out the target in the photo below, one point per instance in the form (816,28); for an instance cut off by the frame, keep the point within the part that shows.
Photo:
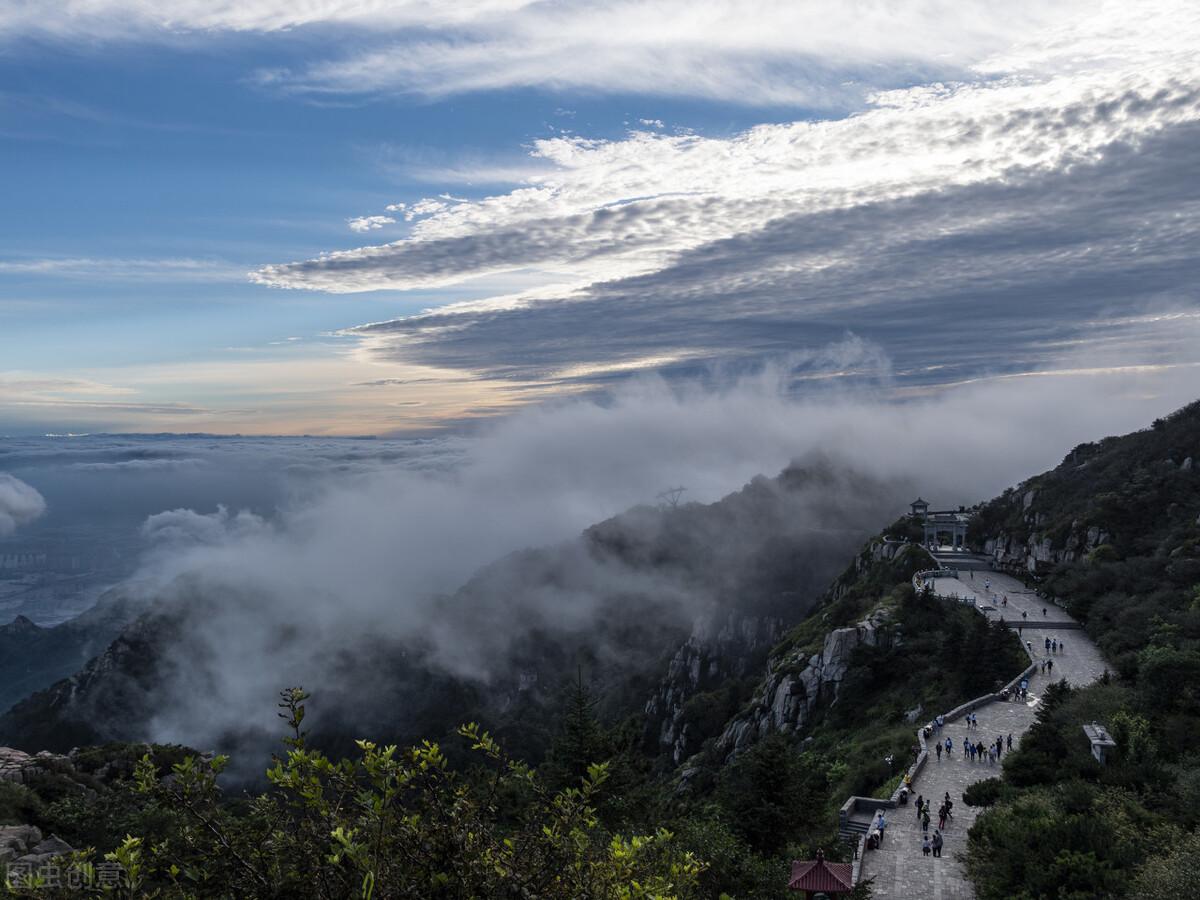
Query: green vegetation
(587,807)
(387,823)
(1062,825)
(598,817)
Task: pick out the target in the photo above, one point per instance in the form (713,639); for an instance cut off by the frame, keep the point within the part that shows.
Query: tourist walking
(949,748)
(942,817)
(937,843)
(925,821)
(1049,665)
(938,748)
(920,801)
(1010,740)
(925,846)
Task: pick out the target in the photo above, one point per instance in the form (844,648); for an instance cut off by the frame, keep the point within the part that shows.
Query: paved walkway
(898,868)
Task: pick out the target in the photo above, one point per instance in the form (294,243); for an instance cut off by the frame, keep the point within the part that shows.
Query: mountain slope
(1113,533)
(33,657)
(618,600)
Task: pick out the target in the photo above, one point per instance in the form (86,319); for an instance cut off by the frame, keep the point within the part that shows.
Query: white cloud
(120,269)
(368,555)
(611,209)
(818,53)
(19,503)
(369,223)
(185,527)
(124,19)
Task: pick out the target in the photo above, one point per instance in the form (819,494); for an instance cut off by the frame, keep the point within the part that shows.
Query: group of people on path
(933,844)
(975,751)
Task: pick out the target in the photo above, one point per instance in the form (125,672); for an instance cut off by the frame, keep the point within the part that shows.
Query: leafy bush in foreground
(388,823)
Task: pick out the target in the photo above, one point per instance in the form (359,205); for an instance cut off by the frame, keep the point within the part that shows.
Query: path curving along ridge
(898,869)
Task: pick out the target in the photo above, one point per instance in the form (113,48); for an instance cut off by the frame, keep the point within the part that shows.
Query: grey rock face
(24,844)
(53,845)
(18,766)
(1037,550)
(708,658)
(792,689)
(19,836)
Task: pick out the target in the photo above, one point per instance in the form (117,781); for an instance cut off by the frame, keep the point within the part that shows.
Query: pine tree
(580,741)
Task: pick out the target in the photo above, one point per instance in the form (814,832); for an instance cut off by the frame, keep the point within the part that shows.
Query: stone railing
(848,828)
(920,578)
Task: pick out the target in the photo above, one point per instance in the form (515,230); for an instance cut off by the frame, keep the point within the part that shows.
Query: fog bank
(372,555)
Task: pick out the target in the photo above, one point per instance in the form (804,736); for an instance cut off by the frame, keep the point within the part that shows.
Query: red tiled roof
(818,875)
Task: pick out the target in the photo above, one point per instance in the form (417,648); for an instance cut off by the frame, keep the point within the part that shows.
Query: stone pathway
(898,868)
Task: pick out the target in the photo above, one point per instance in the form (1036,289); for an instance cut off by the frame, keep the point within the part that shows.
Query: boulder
(53,845)
(20,837)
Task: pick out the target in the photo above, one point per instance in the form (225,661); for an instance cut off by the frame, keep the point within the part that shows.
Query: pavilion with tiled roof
(819,877)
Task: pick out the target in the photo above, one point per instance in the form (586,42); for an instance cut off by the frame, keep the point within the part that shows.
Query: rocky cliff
(766,678)
(702,664)
(1133,495)
(795,684)
(1034,549)
(666,603)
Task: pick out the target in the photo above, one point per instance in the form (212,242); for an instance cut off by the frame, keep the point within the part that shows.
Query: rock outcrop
(699,665)
(21,767)
(1038,550)
(24,846)
(794,685)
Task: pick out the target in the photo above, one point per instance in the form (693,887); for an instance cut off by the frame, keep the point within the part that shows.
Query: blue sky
(612,189)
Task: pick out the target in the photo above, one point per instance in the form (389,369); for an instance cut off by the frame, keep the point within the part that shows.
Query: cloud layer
(1049,198)
(367,557)
(19,504)
(815,53)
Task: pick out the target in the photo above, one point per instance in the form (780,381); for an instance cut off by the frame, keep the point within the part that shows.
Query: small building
(946,528)
(819,878)
(1101,741)
(943,527)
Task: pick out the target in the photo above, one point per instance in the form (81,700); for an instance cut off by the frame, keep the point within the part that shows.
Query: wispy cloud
(1050,200)
(815,53)
(369,223)
(119,269)
(612,209)
(19,503)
